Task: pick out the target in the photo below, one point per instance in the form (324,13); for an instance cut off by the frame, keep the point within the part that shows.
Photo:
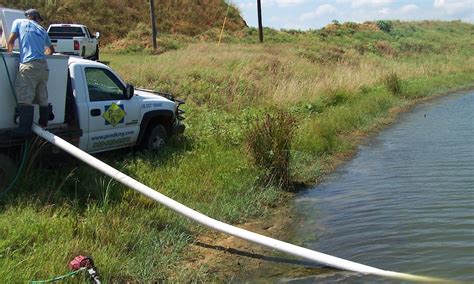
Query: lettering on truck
(151,105)
(111,139)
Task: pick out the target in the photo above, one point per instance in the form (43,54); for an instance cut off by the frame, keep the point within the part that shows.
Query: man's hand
(11,41)
(49,50)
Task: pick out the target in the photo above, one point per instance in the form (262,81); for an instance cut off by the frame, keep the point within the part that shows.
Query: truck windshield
(65,32)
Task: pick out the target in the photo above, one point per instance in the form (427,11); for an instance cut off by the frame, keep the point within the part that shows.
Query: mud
(228,258)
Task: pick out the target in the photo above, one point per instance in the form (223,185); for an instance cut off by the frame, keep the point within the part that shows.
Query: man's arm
(13,35)
(11,41)
(49,46)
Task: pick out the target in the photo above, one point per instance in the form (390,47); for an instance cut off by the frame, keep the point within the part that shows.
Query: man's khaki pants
(30,85)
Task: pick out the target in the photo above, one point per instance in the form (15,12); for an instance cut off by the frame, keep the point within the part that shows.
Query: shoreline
(228,257)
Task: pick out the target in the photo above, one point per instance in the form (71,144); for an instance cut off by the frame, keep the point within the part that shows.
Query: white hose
(223,227)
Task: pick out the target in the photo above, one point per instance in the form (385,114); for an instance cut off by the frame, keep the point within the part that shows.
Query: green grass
(333,82)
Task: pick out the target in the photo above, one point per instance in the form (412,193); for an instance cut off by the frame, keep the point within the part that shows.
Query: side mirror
(97,35)
(129,92)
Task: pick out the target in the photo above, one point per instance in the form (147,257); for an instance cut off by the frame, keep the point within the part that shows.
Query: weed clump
(268,142)
(393,83)
(384,48)
(327,56)
(385,26)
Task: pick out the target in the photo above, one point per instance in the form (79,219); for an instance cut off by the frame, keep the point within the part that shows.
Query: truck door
(89,43)
(113,119)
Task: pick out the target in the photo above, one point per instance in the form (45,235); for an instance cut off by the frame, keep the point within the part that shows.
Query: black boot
(25,112)
(45,113)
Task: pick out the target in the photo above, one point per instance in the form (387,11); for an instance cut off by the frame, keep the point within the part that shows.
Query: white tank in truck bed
(57,83)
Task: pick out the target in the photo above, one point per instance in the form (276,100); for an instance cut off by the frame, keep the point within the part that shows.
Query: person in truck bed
(33,74)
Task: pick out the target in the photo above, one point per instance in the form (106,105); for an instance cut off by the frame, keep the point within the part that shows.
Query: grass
(333,83)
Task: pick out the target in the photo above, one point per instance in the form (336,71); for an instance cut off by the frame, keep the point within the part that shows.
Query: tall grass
(393,83)
(269,143)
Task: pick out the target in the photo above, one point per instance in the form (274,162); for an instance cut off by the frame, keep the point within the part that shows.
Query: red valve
(81,261)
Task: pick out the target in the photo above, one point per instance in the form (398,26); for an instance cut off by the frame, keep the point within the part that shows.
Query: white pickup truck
(73,39)
(93,108)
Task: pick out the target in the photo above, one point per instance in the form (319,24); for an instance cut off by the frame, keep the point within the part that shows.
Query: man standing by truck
(33,74)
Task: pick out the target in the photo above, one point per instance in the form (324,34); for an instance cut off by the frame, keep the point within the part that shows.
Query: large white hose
(223,227)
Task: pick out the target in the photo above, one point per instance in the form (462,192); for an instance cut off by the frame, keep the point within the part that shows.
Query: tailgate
(64,46)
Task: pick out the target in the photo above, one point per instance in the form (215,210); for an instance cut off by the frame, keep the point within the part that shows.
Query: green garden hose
(57,278)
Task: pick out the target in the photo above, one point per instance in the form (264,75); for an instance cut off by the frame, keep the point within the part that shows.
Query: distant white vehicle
(74,39)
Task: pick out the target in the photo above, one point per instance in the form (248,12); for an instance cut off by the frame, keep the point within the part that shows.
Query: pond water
(404,203)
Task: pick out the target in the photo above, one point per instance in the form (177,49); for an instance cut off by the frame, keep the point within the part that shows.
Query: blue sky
(307,14)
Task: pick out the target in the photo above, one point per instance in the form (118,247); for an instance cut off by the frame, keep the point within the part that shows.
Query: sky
(315,14)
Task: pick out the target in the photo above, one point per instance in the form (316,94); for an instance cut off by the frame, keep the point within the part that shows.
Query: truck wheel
(8,170)
(156,138)
(95,57)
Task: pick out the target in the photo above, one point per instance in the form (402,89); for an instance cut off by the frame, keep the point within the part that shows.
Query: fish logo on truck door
(114,114)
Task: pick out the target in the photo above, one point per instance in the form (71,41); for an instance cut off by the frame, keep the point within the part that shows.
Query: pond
(404,203)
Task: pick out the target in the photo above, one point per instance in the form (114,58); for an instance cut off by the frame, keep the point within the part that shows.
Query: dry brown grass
(279,74)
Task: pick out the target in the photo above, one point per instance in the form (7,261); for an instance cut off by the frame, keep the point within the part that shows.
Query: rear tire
(95,57)
(156,138)
(8,169)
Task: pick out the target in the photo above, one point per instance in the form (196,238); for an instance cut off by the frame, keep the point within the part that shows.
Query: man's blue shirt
(33,39)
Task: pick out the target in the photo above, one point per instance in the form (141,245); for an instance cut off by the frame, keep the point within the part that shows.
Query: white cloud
(366,3)
(407,9)
(283,3)
(385,11)
(248,5)
(322,10)
(454,6)
(325,9)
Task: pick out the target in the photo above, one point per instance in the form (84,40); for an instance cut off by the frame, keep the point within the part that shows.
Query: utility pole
(153,25)
(260,27)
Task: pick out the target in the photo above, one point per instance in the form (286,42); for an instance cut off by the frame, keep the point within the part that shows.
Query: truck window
(65,32)
(88,34)
(103,85)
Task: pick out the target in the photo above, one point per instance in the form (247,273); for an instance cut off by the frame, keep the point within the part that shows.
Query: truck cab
(112,114)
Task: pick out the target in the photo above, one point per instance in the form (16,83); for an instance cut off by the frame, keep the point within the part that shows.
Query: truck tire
(156,138)
(95,57)
(8,170)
